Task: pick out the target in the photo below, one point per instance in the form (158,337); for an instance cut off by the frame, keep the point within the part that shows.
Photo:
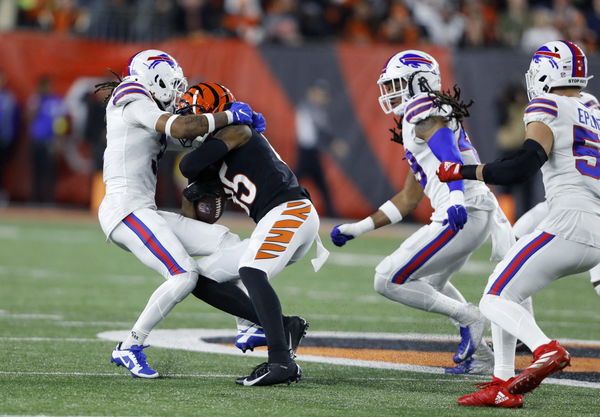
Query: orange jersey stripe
(265,255)
(280,235)
(272,247)
(290,224)
(295,203)
(300,212)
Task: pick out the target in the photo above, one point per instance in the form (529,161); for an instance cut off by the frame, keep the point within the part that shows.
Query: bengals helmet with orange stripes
(205,98)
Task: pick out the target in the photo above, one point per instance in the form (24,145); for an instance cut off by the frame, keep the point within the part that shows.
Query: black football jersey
(257,179)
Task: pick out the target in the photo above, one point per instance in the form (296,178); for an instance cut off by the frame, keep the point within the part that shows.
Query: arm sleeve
(211,151)
(513,170)
(443,145)
(142,113)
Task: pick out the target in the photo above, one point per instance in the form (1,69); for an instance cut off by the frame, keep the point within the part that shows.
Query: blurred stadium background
(270,54)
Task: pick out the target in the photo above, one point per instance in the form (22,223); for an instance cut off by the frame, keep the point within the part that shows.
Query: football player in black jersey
(256,179)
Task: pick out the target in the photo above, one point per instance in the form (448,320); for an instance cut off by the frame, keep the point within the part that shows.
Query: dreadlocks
(108,86)
(460,109)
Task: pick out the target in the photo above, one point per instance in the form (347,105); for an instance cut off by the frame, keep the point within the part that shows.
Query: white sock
(595,278)
(504,353)
(161,302)
(421,295)
(513,318)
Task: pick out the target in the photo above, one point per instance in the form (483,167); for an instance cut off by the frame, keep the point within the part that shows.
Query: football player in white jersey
(563,140)
(418,273)
(529,221)
(139,123)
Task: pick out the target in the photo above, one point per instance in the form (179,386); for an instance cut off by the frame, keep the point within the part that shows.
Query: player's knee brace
(182,285)
(383,275)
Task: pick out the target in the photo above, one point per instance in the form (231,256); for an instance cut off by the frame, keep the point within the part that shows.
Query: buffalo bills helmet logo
(416,61)
(545,53)
(161,58)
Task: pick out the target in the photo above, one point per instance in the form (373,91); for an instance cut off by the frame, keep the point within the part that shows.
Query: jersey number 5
(240,188)
(581,148)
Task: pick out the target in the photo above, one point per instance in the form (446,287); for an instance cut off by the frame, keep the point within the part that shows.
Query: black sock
(268,309)
(227,297)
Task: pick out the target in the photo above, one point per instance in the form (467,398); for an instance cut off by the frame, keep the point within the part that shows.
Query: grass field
(61,285)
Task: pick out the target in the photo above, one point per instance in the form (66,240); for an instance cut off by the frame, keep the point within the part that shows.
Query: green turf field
(61,285)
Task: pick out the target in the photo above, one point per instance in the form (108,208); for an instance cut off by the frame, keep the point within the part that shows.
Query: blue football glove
(338,238)
(258,122)
(242,113)
(457,217)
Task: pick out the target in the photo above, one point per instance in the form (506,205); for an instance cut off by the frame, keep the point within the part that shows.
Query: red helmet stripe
(578,60)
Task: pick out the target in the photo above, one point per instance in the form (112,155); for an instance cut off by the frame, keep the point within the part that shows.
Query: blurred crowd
(453,23)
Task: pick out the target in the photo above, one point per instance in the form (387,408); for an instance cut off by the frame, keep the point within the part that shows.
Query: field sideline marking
(192,340)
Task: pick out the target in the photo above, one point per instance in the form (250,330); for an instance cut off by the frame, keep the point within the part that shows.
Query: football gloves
(242,113)
(338,237)
(457,217)
(449,171)
(258,122)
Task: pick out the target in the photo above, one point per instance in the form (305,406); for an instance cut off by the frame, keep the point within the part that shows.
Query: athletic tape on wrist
(170,121)
(211,122)
(391,211)
(229,116)
(457,197)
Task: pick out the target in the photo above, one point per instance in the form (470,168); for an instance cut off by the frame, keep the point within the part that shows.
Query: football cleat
(472,366)
(547,359)
(470,337)
(492,394)
(295,330)
(272,374)
(250,338)
(133,359)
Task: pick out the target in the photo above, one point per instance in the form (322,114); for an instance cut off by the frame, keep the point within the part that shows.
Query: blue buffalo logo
(545,53)
(415,61)
(161,58)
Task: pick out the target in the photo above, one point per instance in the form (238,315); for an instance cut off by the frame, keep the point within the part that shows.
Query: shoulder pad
(126,92)
(421,107)
(541,109)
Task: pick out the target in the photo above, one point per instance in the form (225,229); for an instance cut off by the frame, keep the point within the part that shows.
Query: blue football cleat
(470,337)
(133,359)
(250,338)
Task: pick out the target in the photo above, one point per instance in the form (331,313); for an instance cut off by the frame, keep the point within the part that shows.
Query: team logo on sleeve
(415,61)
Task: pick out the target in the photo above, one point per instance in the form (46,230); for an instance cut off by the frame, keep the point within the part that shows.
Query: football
(209,207)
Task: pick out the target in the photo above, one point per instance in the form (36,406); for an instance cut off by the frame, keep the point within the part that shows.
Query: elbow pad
(518,168)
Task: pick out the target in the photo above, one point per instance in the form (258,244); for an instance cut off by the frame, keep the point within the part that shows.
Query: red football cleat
(547,359)
(492,394)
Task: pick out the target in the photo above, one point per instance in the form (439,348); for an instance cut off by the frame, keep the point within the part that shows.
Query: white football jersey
(572,173)
(424,163)
(133,148)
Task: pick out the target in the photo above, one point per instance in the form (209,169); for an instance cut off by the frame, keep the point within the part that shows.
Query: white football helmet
(556,64)
(406,74)
(160,74)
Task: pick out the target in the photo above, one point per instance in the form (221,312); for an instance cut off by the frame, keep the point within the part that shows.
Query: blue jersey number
(581,148)
(416,168)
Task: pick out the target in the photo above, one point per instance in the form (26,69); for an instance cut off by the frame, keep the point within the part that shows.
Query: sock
(227,297)
(513,318)
(420,294)
(268,309)
(450,290)
(161,302)
(504,353)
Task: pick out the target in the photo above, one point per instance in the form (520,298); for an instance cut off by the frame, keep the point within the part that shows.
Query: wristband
(229,116)
(391,211)
(363,226)
(457,198)
(468,172)
(170,121)
(211,122)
